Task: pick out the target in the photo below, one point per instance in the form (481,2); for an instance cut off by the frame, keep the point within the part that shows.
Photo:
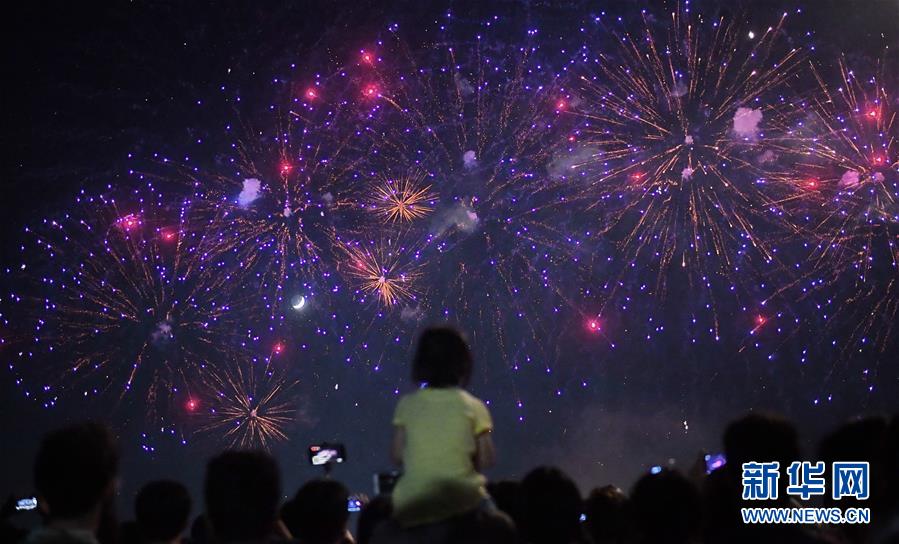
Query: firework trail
(115,301)
(678,126)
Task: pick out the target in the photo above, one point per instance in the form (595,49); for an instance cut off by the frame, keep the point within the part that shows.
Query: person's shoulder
(471,400)
(409,400)
(412,396)
(468,396)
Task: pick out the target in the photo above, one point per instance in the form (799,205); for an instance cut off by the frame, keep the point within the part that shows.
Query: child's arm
(398,444)
(485,453)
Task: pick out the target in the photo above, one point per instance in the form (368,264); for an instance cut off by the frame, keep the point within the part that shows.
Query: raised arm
(485,453)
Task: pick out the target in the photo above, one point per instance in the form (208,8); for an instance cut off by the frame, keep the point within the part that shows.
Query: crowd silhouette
(442,441)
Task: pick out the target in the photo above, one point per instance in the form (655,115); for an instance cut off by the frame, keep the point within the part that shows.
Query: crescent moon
(299,302)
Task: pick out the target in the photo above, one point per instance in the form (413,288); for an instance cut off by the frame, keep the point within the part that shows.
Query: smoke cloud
(766,157)
(566,163)
(746,122)
(458,217)
(470,159)
(249,193)
(412,314)
(162,334)
(463,85)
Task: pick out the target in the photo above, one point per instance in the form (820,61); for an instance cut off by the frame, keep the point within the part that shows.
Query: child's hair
(442,358)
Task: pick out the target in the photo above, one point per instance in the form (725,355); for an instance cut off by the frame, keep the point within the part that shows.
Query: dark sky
(85,83)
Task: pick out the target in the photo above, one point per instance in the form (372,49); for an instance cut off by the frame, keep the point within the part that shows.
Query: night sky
(604,343)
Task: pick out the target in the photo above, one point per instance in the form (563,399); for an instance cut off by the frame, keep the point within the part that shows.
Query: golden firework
(384,271)
(249,406)
(404,199)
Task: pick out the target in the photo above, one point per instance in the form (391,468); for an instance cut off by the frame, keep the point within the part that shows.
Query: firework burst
(287,191)
(385,271)
(403,200)
(849,154)
(479,121)
(124,305)
(847,165)
(678,127)
(247,403)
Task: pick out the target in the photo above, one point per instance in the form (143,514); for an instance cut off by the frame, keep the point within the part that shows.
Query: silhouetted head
(552,506)
(442,359)
(242,492)
(75,470)
(666,507)
(508,496)
(760,437)
(318,513)
(162,510)
(605,509)
(857,440)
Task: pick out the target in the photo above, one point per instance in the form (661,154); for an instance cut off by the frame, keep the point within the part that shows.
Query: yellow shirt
(439,478)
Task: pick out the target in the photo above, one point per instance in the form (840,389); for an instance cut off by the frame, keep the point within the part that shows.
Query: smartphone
(714,461)
(24,504)
(354,504)
(323,454)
